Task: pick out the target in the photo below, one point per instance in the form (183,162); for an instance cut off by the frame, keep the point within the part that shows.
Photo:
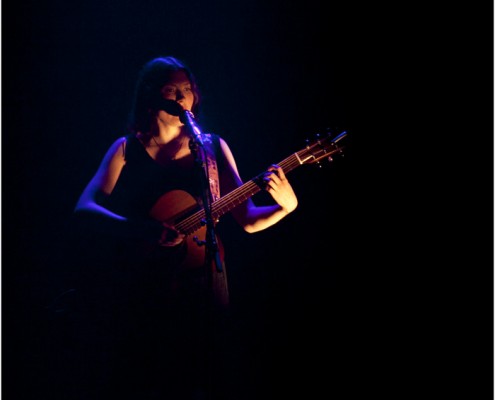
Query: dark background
(272,75)
(362,281)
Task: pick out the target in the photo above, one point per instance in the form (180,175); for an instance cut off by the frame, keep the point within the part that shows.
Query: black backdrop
(356,288)
(272,75)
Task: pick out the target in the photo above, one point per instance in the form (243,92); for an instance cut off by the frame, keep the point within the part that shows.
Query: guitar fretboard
(232,199)
(237,196)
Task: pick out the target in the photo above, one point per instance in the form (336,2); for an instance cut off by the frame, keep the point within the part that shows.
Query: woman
(124,203)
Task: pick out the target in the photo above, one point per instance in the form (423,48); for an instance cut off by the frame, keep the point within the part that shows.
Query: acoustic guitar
(180,209)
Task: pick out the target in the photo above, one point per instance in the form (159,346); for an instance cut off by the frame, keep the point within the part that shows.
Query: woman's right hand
(170,236)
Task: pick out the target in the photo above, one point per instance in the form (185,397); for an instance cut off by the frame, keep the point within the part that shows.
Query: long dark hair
(153,75)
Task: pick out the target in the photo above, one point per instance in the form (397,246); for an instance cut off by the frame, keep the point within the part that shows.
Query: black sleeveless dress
(142,182)
(158,336)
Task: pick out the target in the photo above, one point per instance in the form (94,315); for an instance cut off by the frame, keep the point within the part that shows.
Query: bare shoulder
(115,155)
(226,150)
(231,163)
(117,148)
(119,145)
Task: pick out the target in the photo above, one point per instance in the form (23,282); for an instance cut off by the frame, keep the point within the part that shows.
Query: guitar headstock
(323,147)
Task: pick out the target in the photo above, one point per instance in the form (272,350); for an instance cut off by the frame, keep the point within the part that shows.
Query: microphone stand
(200,160)
(199,152)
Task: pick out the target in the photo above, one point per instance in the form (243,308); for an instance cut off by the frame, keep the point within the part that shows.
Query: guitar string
(226,203)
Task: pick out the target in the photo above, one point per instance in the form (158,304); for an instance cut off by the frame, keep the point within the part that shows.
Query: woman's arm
(256,218)
(103,183)
(90,206)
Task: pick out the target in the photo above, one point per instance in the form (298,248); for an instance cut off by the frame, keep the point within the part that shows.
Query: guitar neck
(234,198)
(322,148)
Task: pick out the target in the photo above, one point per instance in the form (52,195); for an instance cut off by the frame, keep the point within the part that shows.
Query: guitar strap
(219,279)
(211,162)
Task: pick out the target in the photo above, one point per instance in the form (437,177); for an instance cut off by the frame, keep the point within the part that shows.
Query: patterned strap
(212,166)
(220,288)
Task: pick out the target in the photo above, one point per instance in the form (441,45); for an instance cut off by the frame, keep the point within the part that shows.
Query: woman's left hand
(280,189)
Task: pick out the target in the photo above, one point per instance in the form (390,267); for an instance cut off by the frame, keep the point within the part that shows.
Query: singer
(148,296)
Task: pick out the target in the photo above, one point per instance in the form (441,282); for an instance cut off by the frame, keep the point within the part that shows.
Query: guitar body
(179,209)
(173,207)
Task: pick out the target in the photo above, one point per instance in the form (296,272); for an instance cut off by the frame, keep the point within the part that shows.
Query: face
(179,89)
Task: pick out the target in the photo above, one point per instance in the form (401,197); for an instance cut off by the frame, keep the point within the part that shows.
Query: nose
(178,95)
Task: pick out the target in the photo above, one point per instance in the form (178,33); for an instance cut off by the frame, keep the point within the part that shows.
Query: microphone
(185,116)
(170,106)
